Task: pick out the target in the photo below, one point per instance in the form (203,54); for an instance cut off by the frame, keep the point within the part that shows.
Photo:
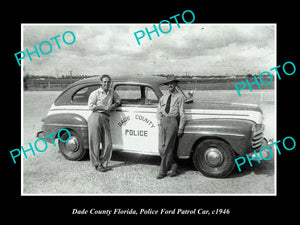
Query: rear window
(81,96)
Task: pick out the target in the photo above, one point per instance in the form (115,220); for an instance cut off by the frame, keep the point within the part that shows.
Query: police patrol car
(214,135)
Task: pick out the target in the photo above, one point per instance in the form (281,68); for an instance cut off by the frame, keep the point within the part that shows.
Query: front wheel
(214,158)
(72,149)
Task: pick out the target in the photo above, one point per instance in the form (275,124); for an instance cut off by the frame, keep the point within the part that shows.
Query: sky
(193,49)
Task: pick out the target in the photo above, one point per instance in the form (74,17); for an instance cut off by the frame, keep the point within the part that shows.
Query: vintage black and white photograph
(149,109)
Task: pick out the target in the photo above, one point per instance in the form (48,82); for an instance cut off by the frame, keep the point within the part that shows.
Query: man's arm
(116,101)
(158,112)
(92,102)
(182,117)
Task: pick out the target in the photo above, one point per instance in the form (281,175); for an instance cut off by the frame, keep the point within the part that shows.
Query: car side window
(129,94)
(136,95)
(150,96)
(81,96)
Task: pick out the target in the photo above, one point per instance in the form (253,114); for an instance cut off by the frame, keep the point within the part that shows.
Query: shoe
(108,168)
(173,173)
(161,176)
(101,168)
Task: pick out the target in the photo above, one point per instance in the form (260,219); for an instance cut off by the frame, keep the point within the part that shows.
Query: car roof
(151,80)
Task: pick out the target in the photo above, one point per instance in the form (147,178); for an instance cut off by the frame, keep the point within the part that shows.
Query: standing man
(171,122)
(101,101)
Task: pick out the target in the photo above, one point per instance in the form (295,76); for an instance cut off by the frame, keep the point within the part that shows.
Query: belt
(170,116)
(104,113)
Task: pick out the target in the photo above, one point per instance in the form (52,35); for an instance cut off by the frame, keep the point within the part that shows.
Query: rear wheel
(214,158)
(72,149)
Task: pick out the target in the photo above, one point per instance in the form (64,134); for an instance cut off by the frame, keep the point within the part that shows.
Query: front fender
(70,121)
(237,133)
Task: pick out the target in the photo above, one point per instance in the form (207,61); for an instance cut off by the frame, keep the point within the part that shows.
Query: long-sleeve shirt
(176,108)
(105,100)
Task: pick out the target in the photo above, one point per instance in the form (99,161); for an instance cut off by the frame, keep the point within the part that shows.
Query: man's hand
(180,133)
(102,108)
(112,107)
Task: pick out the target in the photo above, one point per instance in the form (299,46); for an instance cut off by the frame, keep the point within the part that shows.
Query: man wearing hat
(171,122)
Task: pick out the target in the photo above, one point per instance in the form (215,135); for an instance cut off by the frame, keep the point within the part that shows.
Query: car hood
(218,110)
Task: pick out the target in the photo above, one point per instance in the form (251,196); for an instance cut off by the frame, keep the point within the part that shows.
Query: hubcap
(213,157)
(72,145)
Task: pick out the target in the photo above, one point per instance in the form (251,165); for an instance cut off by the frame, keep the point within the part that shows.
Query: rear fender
(71,121)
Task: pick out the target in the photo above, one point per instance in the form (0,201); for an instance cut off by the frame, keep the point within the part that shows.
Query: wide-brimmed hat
(170,80)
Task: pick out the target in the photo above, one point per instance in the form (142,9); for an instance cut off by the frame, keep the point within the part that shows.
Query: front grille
(257,136)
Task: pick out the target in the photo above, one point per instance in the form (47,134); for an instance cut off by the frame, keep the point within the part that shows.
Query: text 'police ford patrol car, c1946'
(214,135)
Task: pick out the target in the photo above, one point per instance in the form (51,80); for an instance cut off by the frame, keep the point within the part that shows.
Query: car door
(134,124)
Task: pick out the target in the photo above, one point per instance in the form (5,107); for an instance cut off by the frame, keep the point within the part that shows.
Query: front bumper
(40,134)
(264,153)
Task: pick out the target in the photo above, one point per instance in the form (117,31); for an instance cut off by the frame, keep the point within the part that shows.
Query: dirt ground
(50,173)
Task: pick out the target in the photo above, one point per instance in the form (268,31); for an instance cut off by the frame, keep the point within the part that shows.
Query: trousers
(167,138)
(99,133)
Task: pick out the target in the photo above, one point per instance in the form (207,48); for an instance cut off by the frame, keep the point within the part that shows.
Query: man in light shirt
(101,101)
(171,122)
